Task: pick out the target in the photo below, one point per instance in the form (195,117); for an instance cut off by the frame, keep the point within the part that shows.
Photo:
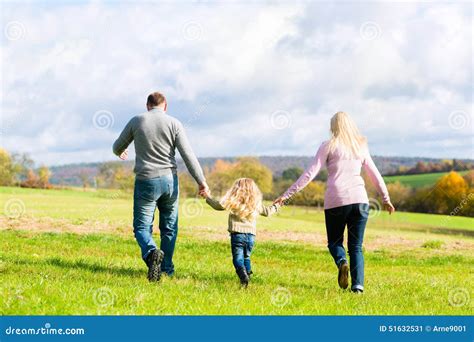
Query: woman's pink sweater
(345,184)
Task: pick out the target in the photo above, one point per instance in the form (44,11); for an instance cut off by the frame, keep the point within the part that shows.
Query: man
(156,137)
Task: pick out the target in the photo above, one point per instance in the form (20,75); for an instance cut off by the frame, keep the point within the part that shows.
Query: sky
(245,78)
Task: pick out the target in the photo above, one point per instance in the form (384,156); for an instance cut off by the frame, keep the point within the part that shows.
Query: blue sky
(246,78)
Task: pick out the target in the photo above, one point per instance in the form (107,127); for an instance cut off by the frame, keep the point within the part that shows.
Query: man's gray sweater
(156,136)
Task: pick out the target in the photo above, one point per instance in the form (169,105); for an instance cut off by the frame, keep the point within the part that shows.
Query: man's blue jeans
(162,193)
(242,245)
(355,217)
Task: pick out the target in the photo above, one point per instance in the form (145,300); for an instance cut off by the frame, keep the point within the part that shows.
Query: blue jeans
(161,192)
(242,245)
(355,217)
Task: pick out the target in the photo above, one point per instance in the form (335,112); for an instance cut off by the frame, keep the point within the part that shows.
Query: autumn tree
(43,177)
(399,194)
(7,169)
(224,174)
(31,181)
(123,178)
(448,192)
(220,178)
(249,167)
(469,178)
(311,195)
(24,164)
(85,179)
(187,185)
(106,177)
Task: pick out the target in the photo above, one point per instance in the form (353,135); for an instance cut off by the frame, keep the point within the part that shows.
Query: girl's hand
(389,207)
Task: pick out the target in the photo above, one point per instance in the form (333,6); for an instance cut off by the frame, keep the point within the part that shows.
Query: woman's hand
(389,207)
(280,201)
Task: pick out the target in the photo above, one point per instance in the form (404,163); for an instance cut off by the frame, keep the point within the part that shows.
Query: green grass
(414,263)
(418,181)
(433,244)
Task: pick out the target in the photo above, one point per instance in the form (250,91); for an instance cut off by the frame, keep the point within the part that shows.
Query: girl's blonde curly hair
(243,199)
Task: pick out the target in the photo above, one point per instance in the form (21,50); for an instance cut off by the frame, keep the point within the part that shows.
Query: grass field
(418,181)
(73,252)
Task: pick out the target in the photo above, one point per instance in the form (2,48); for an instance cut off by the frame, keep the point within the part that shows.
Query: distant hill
(72,174)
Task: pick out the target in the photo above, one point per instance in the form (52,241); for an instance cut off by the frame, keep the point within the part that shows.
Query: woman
(345,201)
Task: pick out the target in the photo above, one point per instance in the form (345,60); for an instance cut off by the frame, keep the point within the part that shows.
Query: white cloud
(244,61)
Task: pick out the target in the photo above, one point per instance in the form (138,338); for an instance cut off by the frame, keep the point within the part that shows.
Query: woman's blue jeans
(355,217)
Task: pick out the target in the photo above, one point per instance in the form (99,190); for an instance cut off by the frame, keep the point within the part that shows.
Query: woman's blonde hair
(243,199)
(346,136)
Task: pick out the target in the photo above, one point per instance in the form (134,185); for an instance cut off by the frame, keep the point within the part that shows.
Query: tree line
(452,194)
(19,170)
(421,167)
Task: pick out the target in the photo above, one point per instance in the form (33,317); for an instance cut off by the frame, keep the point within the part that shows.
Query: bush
(399,194)
(432,244)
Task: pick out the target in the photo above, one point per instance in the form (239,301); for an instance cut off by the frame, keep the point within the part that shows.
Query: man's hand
(389,207)
(124,155)
(204,190)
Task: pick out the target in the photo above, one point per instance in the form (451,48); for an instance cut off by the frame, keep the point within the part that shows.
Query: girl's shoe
(243,276)
(343,276)
(358,291)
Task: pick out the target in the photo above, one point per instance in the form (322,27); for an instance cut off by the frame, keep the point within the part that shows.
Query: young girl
(244,203)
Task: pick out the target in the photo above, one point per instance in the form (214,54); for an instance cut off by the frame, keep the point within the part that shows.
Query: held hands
(389,207)
(280,201)
(204,190)
(124,155)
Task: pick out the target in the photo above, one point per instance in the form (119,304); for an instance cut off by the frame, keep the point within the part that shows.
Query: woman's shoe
(358,291)
(343,276)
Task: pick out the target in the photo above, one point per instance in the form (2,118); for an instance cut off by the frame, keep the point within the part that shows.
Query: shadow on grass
(221,277)
(94,267)
(84,265)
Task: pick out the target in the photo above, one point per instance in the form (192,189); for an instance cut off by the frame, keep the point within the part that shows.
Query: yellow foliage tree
(43,175)
(224,174)
(7,171)
(249,167)
(448,192)
(312,195)
(469,178)
(124,178)
(399,193)
(187,185)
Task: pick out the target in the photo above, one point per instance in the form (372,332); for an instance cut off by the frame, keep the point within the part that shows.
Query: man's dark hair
(155,99)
